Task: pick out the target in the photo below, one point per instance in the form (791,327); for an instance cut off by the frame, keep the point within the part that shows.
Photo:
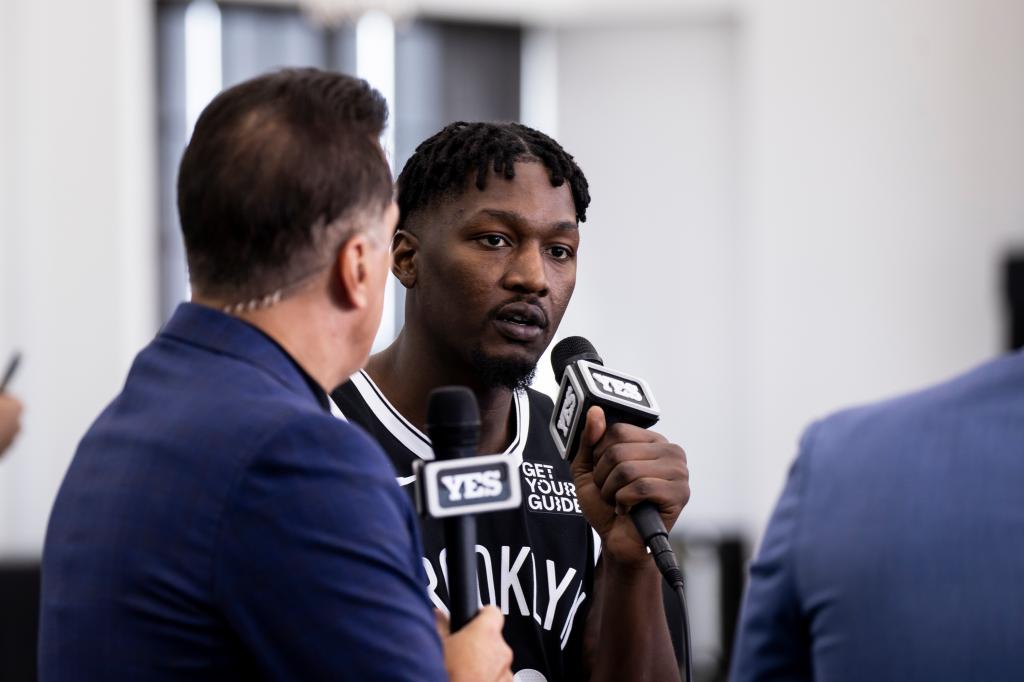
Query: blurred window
(442,72)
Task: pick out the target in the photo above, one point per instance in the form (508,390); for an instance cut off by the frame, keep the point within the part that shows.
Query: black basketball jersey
(536,563)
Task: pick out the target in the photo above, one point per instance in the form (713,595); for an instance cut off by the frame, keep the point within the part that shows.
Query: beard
(504,372)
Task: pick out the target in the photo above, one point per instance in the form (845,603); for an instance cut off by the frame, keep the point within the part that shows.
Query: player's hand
(620,466)
(477,652)
(10,420)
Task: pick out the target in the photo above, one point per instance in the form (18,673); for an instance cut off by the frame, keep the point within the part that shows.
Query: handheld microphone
(458,484)
(586,382)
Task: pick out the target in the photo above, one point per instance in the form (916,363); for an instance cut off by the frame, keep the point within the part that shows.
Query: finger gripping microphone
(459,484)
(586,382)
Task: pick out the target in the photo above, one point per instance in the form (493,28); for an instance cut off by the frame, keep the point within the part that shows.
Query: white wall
(885,176)
(650,114)
(76,230)
(794,211)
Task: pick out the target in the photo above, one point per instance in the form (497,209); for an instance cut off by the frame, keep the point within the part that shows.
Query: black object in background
(1014,288)
(19,620)
(12,367)
(453,424)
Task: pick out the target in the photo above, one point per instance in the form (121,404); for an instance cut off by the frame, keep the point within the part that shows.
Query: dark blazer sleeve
(772,638)
(318,561)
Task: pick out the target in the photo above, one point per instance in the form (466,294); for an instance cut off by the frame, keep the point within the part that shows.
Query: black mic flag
(586,382)
(459,484)
(453,424)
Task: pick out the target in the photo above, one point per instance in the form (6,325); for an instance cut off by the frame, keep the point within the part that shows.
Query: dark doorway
(1014,288)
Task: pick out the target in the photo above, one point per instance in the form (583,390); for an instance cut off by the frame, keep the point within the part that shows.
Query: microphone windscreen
(571,349)
(453,418)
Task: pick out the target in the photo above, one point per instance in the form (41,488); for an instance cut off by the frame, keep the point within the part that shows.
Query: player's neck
(408,369)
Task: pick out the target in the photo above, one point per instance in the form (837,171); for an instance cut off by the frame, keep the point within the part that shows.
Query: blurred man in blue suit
(897,549)
(217,522)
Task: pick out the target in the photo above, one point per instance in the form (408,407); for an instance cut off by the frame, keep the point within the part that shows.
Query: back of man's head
(275,168)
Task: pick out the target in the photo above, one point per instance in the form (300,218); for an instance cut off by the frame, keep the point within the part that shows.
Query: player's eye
(560,252)
(493,240)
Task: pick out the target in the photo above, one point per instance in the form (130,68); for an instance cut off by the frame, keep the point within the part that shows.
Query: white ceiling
(532,12)
(573,11)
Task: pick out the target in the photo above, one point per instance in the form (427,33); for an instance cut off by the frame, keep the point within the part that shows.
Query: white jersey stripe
(335,410)
(417,441)
(407,434)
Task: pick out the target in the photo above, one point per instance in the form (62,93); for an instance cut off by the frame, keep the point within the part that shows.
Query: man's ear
(353,271)
(404,248)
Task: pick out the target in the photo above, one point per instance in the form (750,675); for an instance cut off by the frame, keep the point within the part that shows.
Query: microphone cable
(665,559)
(685,670)
(685,666)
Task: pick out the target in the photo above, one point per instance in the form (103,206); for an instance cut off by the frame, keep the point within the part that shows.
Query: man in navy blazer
(217,522)
(897,549)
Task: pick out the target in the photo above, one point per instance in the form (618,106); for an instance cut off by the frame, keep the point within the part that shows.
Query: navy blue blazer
(217,523)
(896,551)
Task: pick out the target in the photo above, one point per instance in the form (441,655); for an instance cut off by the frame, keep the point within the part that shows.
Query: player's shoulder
(366,407)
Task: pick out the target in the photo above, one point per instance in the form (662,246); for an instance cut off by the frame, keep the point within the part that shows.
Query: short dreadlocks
(443,163)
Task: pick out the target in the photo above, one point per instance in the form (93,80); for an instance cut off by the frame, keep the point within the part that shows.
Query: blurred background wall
(798,205)
(77,230)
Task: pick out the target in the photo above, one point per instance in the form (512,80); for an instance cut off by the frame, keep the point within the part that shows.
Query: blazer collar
(222,333)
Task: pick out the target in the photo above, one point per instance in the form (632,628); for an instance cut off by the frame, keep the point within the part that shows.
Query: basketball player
(486,248)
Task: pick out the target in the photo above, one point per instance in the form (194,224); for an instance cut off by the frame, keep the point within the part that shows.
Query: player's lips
(521,321)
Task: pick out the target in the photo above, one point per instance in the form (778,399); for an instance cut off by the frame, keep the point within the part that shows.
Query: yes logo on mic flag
(469,485)
(566,417)
(586,383)
(621,388)
(567,412)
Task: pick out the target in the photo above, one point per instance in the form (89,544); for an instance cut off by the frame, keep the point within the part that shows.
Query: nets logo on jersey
(472,485)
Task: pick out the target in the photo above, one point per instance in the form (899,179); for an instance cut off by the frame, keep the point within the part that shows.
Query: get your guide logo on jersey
(545,492)
(471,485)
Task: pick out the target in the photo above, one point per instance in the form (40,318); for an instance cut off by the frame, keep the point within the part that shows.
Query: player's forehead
(528,200)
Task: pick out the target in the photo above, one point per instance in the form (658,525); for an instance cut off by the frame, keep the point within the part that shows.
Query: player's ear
(404,251)
(352,268)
